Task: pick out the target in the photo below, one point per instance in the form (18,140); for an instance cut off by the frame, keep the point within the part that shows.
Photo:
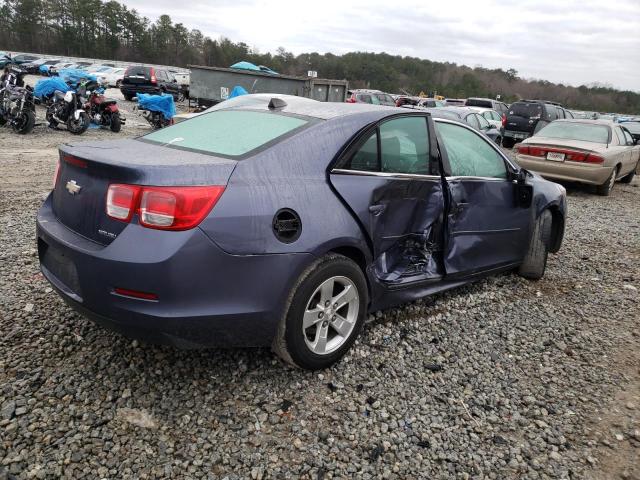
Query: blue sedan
(282,221)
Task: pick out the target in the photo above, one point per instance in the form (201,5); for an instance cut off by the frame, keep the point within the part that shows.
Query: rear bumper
(130,89)
(206,297)
(515,135)
(567,171)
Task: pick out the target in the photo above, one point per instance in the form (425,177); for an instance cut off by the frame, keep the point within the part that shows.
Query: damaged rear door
(390,178)
(487,226)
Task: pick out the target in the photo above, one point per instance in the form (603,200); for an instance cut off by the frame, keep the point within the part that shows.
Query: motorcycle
(17,107)
(102,111)
(67,108)
(148,107)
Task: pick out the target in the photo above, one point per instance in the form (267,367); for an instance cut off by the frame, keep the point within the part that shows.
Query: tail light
(569,155)
(504,120)
(56,175)
(121,201)
(163,208)
(351,100)
(152,72)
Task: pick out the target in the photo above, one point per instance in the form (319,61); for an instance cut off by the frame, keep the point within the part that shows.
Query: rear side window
(404,145)
(551,113)
(476,102)
(404,148)
(469,154)
(472,120)
(229,133)
(526,110)
(620,135)
(364,98)
(628,137)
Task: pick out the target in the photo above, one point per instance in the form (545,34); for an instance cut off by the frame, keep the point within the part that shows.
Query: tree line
(111,30)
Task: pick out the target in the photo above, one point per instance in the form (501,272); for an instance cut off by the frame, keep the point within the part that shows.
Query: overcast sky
(570,41)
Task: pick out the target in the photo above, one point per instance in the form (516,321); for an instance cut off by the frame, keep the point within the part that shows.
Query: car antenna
(276,102)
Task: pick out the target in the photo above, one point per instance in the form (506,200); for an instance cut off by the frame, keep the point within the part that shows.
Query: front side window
(229,133)
(469,154)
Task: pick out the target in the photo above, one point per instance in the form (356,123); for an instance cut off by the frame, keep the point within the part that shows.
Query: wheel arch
(557,228)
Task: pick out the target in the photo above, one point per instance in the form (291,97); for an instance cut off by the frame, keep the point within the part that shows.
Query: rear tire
(127,96)
(508,142)
(313,333)
(607,186)
(535,260)
(116,124)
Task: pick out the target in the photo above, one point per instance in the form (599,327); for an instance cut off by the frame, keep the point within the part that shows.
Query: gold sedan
(595,152)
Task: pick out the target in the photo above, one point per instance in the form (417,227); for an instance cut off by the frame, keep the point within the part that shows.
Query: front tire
(79,126)
(535,261)
(26,122)
(324,315)
(628,177)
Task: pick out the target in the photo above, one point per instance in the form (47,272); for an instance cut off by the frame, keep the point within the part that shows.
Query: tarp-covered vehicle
(283,223)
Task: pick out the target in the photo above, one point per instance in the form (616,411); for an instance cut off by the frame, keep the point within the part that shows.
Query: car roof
(480,109)
(302,106)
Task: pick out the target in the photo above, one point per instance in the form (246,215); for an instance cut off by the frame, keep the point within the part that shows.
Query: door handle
(377,209)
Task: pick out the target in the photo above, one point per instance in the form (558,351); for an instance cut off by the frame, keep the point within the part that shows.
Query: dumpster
(211,85)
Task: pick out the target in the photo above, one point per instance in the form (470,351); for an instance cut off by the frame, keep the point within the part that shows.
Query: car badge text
(72,187)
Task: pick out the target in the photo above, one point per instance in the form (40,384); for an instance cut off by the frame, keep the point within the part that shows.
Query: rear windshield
(476,102)
(526,110)
(227,133)
(576,131)
(142,71)
(633,127)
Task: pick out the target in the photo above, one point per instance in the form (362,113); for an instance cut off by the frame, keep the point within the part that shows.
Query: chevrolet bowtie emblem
(72,187)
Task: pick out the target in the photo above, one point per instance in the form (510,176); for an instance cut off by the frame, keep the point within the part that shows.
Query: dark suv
(526,117)
(141,79)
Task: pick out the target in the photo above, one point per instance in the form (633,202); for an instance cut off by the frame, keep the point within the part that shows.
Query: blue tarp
(47,86)
(158,103)
(251,66)
(73,76)
(237,91)
(43,68)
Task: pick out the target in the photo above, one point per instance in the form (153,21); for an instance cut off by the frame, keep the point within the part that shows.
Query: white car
(182,77)
(111,77)
(490,115)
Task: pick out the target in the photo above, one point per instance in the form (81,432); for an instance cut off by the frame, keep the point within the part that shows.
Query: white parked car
(111,77)
(492,116)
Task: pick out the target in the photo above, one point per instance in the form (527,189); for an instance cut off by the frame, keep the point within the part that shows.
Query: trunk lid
(86,170)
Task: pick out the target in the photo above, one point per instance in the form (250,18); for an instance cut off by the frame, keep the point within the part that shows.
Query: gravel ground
(505,378)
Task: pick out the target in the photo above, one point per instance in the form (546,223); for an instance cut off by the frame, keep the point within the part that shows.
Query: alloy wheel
(330,315)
